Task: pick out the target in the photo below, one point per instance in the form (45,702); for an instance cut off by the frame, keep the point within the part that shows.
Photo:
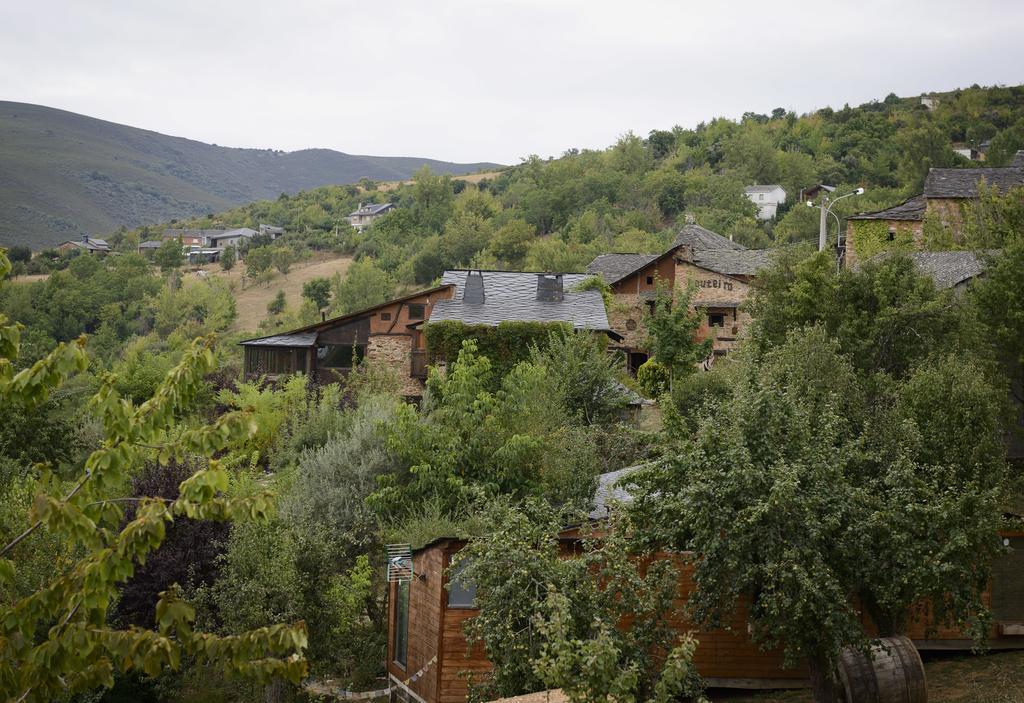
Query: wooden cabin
(328,350)
(426,619)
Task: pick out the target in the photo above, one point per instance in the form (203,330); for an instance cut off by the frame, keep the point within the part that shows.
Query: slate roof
(1018,159)
(371,209)
(697,237)
(729,262)
(512,296)
(911,209)
(150,244)
(963,182)
(231,233)
(92,244)
(948,268)
(749,190)
(302,339)
(615,267)
(608,492)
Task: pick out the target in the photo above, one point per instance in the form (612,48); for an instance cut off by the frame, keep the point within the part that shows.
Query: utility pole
(822,223)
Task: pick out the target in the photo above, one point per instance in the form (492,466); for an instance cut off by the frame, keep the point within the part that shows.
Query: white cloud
(483,80)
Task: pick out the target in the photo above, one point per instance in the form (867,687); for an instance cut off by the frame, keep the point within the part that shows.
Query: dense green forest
(175,533)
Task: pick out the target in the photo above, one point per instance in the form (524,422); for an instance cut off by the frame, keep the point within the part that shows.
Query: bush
(653,378)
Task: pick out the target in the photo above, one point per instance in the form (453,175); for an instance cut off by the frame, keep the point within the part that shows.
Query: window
(892,234)
(417,311)
(716,319)
(339,356)
(650,280)
(760,196)
(401,642)
(460,594)
(385,316)
(631,324)
(650,306)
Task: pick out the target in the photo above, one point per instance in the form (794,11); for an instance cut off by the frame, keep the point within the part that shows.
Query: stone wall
(626,316)
(394,351)
(950,213)
(868,238)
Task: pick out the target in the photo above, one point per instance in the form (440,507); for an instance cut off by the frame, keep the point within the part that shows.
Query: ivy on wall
(505,345)
(871,237)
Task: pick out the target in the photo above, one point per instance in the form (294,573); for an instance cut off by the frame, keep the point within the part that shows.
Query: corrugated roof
(302,339)
(733,263)
(911,209)
(697,237)
(614,267)
(963,182)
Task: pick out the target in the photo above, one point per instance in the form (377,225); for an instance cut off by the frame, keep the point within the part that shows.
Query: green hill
(64,174)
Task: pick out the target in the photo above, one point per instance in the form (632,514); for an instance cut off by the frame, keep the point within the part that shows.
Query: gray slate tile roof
(615,267)
(512,297)
(371,209)
(301,339)
(609,492)
(963,182)
(231,233)
(763,188)
(948,268)
(912,209)
(150,244)
(731,262)
(697,237)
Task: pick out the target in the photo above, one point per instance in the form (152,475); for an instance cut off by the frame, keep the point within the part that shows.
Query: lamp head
(859,191)
(810,204)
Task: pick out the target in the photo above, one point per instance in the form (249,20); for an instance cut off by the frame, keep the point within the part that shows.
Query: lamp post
(826,208)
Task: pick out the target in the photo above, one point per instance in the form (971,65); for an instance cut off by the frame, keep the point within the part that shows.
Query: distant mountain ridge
(63,174)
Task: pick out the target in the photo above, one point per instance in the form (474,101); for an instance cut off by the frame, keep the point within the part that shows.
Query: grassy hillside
(64,174)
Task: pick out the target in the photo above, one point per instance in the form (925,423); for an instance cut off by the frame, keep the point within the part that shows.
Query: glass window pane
(460,593)
(401,643)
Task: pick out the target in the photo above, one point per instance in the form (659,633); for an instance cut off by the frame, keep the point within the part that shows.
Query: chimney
(549,287)
(473,291)
(323,316)
(85,238)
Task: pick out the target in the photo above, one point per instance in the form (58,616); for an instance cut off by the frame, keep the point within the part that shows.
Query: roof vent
(473,291)
(549,287)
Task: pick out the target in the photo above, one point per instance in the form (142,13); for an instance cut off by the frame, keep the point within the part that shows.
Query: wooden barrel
(893,673)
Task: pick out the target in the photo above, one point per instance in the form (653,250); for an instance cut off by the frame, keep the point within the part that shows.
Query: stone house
(767,198)
(946,192)
(391,333)
(364,215)
(720,270)
(87,244)
(229,238)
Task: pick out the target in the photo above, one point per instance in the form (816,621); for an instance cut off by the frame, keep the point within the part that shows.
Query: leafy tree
(283,258)
(277,305)
(672,332)
(56,641)
(808,488)
(434,199)
(586,376)
(228,258)
(512,242)
(169,255)
(363,286)
(317,290)
(549,619)
(259,259)
(19,254)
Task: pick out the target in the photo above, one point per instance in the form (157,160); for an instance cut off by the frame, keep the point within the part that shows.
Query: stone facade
(394,352)
(950,213)
(867,238)
(721,297)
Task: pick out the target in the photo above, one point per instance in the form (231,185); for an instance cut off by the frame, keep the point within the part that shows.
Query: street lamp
(826,209)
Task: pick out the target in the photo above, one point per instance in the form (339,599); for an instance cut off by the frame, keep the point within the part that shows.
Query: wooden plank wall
(425,592)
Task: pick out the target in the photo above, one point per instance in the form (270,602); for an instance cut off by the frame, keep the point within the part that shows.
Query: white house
(767,198)
(363,216)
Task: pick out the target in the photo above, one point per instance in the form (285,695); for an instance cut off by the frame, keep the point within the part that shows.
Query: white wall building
(767,198)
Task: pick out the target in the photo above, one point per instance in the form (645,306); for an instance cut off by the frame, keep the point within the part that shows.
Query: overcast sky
(480,80)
